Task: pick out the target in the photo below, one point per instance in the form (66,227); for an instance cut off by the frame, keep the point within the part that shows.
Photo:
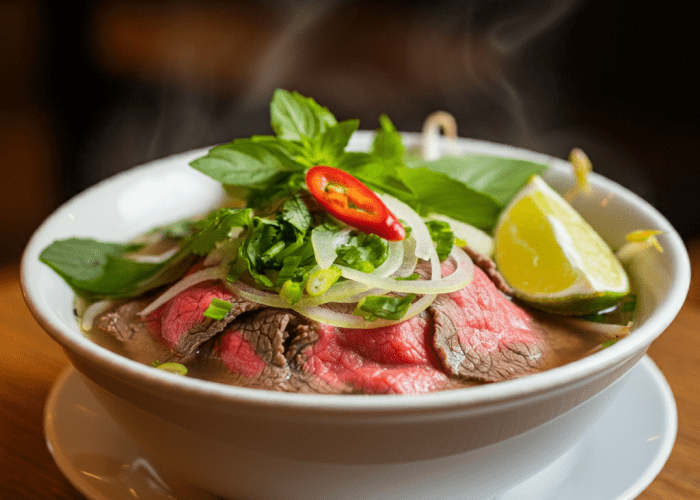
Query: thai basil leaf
(98,268)
(245,162)
(438,193)
(294,116)
(329,148)
(495,176)
(388,143)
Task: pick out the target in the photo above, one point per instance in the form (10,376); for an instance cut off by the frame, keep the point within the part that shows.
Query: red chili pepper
(350,201)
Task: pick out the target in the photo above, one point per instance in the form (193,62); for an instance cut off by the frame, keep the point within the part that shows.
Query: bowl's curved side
(245,456)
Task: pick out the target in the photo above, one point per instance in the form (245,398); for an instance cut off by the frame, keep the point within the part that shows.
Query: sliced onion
(155,259)
(344,320)
(92,312)
(393,261)
(345,290)
(206,274)
(460,278)
(410,259)
(424,243)
(324,250)
(254,295)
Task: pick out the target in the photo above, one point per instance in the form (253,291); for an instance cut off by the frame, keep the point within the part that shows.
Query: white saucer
(616,459)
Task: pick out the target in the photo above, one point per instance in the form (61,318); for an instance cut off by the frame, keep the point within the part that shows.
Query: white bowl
(246,443)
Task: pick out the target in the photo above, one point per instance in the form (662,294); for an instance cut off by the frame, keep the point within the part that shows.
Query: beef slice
(252,350)
(481,335)
(489,267)
(136,340)
(180,323)
(388,360)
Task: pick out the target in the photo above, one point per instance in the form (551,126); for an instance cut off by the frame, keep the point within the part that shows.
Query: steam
(460,56)
(282,54)
(509,37)
(517,29)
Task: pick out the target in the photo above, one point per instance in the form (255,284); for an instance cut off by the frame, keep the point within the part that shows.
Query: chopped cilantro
(216,227)
(373,307)
(442,236)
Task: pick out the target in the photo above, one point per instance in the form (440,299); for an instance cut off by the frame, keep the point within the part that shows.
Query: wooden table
(30,362)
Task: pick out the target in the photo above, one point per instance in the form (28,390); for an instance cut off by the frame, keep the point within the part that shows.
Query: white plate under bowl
(616,459)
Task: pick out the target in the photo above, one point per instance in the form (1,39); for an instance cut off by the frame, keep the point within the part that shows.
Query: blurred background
(99,87)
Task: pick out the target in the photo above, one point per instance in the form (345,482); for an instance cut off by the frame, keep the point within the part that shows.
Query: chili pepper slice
(350,201)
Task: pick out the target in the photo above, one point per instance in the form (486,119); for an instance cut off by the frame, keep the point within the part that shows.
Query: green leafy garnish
(274,249)
(218,309)
(374,306)
(471,188)
(442,236)
(96,269)
(297,214)
(246,162)
(494,176)
(295,117)
(362,249)
(216,227)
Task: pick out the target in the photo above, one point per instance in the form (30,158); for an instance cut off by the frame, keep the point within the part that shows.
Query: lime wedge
(552,257)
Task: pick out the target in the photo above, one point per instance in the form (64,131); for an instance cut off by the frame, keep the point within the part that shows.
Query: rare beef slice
(396,359)
(489,267)
(125,325)
(180,323)
(178,326)
(252,349)
(481,335)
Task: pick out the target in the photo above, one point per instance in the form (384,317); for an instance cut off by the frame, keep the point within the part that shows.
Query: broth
(564,341)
